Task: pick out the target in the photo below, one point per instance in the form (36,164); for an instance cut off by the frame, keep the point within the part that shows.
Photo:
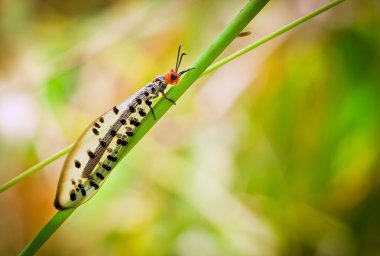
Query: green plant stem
(272,35)
(46,232)
(211,68)
(35,169)
(251,9)
(207,57)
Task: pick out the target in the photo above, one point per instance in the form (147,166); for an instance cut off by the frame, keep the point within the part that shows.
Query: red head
(173,76)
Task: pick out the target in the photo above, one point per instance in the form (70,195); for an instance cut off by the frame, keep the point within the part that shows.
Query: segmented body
(91,161)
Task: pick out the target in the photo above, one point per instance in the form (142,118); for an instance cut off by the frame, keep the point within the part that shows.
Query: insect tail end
(58,205)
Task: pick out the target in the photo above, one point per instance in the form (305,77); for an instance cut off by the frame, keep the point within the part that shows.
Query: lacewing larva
(100,148)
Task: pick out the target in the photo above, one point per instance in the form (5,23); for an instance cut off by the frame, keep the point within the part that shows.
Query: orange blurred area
(275,153)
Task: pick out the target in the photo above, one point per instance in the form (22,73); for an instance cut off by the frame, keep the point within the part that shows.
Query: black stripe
(112,158)
(99,175)
(135,122)
(106,167)
(122,142)
(93,184)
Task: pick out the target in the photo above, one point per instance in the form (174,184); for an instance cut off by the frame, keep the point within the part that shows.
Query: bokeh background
(275,153)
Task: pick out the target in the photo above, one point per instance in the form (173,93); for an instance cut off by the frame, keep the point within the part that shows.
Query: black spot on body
(153,90)
(146,93)
(90,154)
(95,131)
(103,143)
(80,186)
(122,142)
(115,110)
(93,184)
(129,133)
(139,101)
(135,122)
(123,121)
(112,158)
(101,119)
(106,167)
(83,192)
(73,196)
(148,102)
(132,109)
(99,175)
(97,125)
(142,112)
(77,164)
(113,133)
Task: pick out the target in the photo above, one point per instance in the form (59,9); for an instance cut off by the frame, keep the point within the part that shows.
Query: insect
(100,148)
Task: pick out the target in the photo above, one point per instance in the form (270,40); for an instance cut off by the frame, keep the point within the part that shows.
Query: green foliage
(220,43)
(270,157)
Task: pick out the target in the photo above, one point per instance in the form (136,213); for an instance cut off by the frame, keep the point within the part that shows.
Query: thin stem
(211,68)
(35,169)
(251,9)
(46,232)
(272,35)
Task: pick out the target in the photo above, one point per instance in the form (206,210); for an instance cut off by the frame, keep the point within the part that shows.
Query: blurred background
(275,153)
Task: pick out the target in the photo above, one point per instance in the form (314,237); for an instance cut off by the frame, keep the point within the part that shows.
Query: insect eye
(173,77)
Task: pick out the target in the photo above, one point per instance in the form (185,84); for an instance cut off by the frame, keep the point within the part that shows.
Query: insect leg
(151,110)
(165,97)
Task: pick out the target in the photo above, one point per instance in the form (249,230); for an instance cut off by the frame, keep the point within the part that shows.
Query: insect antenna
(179,51)
(184,71)
(179,58)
